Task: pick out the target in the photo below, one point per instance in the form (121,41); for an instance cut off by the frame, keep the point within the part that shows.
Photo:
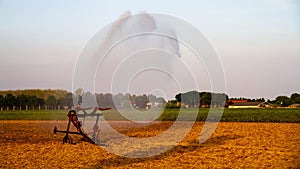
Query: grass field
(244,115)
(230,115)
(34,115)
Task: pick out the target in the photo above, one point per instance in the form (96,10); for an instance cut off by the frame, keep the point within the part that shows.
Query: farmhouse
(294,106)
(250,105)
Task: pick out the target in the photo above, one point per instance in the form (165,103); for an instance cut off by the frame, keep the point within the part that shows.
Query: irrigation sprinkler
(73,119)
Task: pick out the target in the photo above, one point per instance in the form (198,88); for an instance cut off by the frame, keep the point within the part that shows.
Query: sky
(258,42)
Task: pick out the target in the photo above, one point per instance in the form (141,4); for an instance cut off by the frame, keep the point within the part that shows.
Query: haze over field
(257,41)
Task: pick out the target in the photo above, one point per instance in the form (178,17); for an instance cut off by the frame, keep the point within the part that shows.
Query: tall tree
(283,101)
(141,101)
(295,97)
(2,101)
(51,101)
(22,101)
(33,101)
(178,97)
(10,100)
(68,100)
(41,101)
(205,98)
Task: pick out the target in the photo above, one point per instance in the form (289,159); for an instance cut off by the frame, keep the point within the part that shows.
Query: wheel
(67,139)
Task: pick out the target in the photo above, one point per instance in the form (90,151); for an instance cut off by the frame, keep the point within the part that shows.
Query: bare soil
(32,144)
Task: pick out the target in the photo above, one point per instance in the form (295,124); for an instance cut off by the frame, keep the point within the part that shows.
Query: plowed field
(32,144)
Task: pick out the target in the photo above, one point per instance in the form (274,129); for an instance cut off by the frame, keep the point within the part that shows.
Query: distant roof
(238,101)
(294,105)
(247,103)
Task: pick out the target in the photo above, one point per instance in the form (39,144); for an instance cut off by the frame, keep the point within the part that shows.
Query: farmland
(31,144)
(27,141)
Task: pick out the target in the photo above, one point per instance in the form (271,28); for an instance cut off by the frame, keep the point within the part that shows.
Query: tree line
(208,99)
(121,100)
(40,93)
(61,99)
(198,99)
(282,101)
(248,99)
(285,101)
(52,102)
(31,102)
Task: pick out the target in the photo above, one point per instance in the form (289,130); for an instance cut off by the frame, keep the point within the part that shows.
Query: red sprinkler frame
(73,118)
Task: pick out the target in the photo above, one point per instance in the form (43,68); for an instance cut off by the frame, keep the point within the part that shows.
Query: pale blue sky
(258,41)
